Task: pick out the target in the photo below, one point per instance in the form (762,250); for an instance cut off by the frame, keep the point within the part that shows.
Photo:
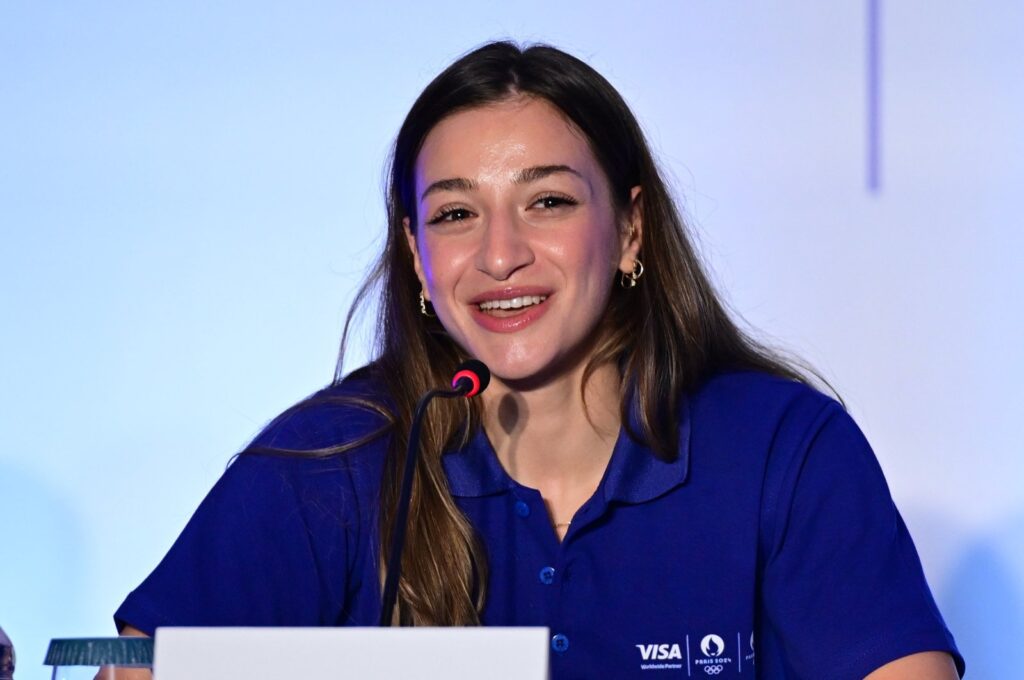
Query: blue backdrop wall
(190,193)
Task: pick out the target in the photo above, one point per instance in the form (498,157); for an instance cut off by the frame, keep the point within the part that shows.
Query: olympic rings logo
(713,669)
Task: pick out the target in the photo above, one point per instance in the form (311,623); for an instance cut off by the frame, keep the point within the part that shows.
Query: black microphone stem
(402,515)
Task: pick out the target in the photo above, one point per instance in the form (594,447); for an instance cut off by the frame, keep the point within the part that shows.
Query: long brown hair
(667,334)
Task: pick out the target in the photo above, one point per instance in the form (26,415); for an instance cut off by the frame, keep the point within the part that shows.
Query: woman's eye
(554,201)
(451,215)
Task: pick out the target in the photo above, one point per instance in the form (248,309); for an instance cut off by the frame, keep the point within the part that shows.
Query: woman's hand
(126,673)
(122,673)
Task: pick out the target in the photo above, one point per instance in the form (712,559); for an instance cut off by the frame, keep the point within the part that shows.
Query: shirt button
(522,509)
(547,575)
(559,643)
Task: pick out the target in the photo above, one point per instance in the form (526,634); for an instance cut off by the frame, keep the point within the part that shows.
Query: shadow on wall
(977,577)
(984,598)
(42,567)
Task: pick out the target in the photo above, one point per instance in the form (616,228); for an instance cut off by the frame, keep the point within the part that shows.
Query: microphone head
(472,376)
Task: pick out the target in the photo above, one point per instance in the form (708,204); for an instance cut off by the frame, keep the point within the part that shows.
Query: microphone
(470,379)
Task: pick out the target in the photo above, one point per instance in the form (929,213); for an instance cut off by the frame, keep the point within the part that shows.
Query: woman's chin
(524,375)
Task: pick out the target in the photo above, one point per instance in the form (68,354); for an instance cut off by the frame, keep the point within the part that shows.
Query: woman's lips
(509,311)
(513,303)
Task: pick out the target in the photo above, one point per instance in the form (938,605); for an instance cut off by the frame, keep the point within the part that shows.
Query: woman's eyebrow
(537,172)
(452,184)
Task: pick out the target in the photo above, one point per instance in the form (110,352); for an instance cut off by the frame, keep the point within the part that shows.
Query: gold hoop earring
(423,307)
(629,280)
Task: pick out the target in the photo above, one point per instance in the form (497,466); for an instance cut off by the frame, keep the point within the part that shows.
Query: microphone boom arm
(402,515)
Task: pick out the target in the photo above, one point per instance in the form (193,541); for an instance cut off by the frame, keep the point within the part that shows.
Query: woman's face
(518,242)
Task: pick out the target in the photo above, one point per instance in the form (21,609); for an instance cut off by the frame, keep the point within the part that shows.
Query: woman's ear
(633,235)
(410,238)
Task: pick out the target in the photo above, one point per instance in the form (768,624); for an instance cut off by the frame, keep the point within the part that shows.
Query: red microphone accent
(472,377)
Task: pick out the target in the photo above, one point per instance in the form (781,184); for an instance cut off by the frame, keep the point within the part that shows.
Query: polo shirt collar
(634,474)
(474,469)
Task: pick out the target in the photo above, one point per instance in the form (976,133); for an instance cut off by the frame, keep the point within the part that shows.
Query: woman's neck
(548,439)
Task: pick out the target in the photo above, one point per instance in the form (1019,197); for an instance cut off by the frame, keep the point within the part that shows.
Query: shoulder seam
(770,540)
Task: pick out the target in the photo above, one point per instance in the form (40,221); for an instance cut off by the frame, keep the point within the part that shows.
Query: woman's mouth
(511,304)
(509,311)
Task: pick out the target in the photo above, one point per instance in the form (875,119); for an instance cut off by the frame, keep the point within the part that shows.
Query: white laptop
(342,653)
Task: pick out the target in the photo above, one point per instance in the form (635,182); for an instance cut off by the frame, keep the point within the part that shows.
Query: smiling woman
(520,239)
(641,477)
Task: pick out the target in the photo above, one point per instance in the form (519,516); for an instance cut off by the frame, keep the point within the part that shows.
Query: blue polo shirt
(769,547)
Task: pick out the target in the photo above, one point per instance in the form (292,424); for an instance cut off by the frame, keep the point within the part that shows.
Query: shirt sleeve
(265,547)
(843,587)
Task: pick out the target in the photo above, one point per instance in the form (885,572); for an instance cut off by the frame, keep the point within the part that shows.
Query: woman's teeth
(513,303)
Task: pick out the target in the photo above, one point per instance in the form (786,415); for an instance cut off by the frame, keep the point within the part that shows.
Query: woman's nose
(504,246)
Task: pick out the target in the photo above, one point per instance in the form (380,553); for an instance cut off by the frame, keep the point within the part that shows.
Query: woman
(640,476)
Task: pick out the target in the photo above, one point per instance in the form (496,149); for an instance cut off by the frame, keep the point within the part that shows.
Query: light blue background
(189,195)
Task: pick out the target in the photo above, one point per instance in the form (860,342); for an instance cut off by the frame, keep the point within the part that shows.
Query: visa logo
(659,652)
